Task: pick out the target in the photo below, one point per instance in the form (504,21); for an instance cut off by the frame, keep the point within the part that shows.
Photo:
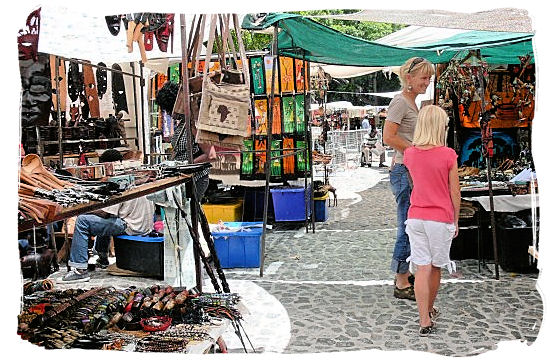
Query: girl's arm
(454,187)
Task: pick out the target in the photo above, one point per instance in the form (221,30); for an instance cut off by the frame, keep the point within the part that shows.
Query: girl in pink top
(432,220)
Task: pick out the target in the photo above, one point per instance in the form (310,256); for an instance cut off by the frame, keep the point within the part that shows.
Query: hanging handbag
(224,107)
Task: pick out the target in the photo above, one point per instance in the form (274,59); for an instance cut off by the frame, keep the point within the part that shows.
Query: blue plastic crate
(289,203)
(238,249)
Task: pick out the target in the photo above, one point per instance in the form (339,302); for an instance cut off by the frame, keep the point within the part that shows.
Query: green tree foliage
(361,29)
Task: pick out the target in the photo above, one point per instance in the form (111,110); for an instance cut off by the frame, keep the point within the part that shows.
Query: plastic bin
(225,212)
(253,207)
(289,203)
(513,244)
(321,208)
(142,254)
(238,249)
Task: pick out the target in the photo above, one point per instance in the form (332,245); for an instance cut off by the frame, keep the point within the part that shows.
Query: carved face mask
(113,24)
(164,32)
(36,94)
(27,39)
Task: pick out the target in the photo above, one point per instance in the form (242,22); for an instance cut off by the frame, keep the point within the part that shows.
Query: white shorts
(430,243)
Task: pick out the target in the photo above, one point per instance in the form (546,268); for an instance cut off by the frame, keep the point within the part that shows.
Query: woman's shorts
(430,243)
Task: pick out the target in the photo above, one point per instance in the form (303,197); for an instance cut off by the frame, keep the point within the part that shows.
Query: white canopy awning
(76,32)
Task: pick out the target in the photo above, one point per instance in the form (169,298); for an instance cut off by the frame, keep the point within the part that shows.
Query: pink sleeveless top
(429,169)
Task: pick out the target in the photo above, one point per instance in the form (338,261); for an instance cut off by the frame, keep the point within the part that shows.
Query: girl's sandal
(426,330)
(434,314)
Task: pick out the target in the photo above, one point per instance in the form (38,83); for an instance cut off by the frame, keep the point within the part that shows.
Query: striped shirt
(179,144)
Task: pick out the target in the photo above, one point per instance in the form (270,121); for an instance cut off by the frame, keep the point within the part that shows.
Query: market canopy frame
(301,37)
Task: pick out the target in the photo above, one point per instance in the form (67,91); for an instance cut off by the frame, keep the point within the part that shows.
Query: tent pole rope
(184,78)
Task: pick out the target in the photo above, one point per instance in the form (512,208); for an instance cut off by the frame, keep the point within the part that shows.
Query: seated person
(132,217)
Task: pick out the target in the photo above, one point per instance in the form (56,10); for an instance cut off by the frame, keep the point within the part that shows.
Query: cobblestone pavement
(337,289)
(332,291)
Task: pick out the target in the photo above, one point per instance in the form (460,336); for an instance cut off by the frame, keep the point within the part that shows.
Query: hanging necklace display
(524,90)
(460,78)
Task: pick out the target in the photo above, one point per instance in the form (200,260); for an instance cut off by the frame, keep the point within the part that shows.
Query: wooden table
(138,191)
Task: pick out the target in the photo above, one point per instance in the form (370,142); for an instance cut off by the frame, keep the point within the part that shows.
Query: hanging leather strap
(209,47)
(221,43)
(231,44)
(194,42)
(241,50)
(198,44)
(191,36)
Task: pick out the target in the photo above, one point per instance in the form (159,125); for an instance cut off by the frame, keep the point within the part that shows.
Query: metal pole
(59,126)
(135,102)
(325,131)
(267,166)
(309,155)
(146,151)
(489,179)
(189,148)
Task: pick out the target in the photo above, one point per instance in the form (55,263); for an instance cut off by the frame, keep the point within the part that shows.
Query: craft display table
(138,191)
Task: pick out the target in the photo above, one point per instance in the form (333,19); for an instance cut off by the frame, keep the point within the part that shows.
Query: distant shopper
(435,206)
(365,125)
(398,132)
(373,144)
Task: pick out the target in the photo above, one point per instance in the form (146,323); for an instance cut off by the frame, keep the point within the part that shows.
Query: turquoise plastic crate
(239,249)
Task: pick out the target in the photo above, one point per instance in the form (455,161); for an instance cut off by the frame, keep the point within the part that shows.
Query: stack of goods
(319,158)
(42,194)
(289,124)
(151,319)
(472,178)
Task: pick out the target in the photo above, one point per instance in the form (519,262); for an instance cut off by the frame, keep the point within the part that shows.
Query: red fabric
(148,38)
(429,170)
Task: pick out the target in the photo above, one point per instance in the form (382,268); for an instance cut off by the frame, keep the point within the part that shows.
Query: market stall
(302,36)
(55,191)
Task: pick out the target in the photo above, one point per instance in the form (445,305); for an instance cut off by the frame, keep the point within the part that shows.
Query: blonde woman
(435,205)
(415,75)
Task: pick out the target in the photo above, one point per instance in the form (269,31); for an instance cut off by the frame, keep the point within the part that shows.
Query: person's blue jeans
(92,225)
(401,189)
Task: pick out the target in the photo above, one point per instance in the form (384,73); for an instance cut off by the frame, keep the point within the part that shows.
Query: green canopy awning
(496,47)
(301,37)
